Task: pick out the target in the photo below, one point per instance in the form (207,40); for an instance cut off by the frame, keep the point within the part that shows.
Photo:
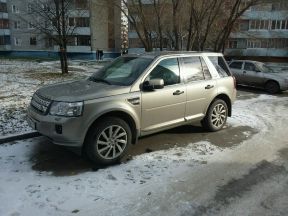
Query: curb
(16,137)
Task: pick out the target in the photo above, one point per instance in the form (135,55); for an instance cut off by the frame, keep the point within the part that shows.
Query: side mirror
(153,84)
(257,70)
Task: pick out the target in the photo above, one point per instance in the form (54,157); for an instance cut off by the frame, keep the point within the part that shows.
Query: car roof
(173,53)
(251,61)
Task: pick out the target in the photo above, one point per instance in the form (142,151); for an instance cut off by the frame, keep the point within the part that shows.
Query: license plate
(31,123)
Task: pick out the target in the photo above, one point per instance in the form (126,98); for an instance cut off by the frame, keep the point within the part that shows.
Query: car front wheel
(108,141)
(216,116)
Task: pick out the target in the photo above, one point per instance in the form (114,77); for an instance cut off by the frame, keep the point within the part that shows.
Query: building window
(259,24)
(280,5)
(82,21)
(29,8)
(15,9)
(279,24)
(254,43)
(4,24)
(4,40)
(17,24)
(232,44)
(33,40)
(48,42)
(31,25)
(71,21)
(81,4)
(17,41)
(79,21)
(3,7)
(83,41)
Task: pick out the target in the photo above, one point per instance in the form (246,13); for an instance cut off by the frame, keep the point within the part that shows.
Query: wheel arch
(118,114)
(271,80)
(227,100)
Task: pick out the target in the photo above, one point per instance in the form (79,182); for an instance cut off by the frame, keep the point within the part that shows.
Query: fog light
(58,129)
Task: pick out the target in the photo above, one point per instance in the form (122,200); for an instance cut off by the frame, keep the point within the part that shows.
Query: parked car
(134,96)
(258,74)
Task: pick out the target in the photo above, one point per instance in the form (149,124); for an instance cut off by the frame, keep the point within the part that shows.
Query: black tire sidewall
(91,148)
(276,88)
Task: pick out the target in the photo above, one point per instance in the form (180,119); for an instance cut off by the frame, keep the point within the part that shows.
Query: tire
(108,141)
(272,87)
(216,116)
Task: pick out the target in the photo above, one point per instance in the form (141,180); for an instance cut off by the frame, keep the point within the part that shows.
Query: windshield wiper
(94,79)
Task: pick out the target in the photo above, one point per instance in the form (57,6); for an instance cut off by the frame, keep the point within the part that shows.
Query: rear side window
(206,71)
(220,65)
(192,67)
(236,65)
(249,66)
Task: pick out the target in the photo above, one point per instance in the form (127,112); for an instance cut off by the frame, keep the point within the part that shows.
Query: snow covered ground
(20,79)
(197,179)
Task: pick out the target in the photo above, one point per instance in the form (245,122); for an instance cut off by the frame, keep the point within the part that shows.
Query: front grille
(40,104)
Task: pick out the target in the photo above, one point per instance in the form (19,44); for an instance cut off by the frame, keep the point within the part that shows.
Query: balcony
(257,52)
(3,15)
(5,32)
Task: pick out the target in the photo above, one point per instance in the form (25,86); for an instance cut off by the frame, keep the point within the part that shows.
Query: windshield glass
(123,71)
(264,68)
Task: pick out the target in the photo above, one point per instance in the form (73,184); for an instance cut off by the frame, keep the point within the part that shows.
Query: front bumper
(72,131)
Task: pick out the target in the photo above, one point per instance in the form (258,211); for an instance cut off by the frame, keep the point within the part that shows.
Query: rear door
(200,86)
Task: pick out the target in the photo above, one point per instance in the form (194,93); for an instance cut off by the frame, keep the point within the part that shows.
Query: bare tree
(233,11)
(51,18)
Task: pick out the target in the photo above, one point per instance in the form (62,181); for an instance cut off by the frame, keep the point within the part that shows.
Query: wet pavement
(61,161)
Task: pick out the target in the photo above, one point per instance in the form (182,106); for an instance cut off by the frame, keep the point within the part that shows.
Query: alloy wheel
(111,142)
(219,115)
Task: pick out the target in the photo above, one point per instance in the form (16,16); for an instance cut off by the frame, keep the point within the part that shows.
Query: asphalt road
(248,175)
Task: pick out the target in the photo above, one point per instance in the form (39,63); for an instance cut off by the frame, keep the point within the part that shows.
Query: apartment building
(4,27)
(261,32)
(95,25)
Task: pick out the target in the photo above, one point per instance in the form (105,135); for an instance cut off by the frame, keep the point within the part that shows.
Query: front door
(252,75)
(164,107)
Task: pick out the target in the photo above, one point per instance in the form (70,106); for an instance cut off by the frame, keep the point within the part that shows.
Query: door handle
(178,92)
(209,86)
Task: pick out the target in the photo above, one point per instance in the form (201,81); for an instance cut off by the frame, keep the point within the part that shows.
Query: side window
(236,65)
(206,71)
(192,69)
(168,70)
(249,66)
(220,65)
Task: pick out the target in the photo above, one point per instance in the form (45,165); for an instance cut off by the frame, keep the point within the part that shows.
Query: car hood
(80,91)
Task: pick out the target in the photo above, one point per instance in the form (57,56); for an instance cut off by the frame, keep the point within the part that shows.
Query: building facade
(5,34)
(95,23)
(261,32)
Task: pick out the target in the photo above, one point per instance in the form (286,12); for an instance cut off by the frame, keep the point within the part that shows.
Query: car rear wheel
(216,116)
(108,141)
(272,87)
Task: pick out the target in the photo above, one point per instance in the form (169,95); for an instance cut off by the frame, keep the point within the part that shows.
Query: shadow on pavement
(62,161)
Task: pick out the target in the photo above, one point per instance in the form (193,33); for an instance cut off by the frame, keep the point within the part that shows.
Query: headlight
(66,109)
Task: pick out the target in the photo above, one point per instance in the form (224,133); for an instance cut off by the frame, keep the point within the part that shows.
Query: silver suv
(134,96)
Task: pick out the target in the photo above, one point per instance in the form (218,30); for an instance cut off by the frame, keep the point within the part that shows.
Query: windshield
(264,68)
(123,71)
